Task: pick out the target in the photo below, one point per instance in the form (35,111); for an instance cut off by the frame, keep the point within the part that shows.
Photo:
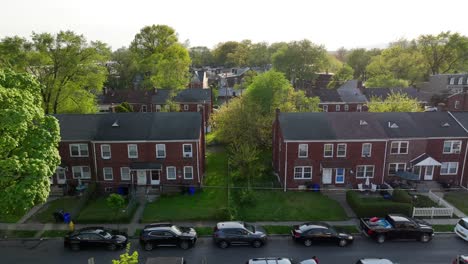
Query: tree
(14,53)
(28,145)
(163,60)
(358,59)
(344,74)
(127,258)
(116,202)
(201,56)
(395,102)
(221,53)
(123,108)
(300,61)
(259,55)
(341,54)
(244,158)
(124,69)
(385,80)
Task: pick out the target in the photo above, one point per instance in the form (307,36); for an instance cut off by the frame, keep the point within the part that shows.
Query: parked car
(166,260)
(238,233)
(396,227)
(316,232)
(167,234)
(96,237)
(460,260)
(314,260)
(374,261)
(461,229)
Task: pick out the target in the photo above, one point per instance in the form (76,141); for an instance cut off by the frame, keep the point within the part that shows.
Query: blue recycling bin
(66,218)
(316,187)
(191,190)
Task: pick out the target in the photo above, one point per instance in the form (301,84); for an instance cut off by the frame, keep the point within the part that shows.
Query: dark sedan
(310,233)
(92,237)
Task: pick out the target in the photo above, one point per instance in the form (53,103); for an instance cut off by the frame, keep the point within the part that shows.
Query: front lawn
(54,233)
(17,233)
(10,218)
(98,211)
(443,228)
(291,206)
(45,215)
(458,199)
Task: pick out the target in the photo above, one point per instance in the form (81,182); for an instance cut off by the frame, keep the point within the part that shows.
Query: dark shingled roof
(193,96)
(383,93)
(461,117)
(130,96)
(365,125)
(131,126)
(160,97)
(327,95)
(349,92)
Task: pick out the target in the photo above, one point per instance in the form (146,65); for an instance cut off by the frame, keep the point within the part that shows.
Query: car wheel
(75,247)
(184,245)
(148,246)
(425,238)
(111,247)
(307,242)
(257,244)
(380,239)
(342,243)
(223,244)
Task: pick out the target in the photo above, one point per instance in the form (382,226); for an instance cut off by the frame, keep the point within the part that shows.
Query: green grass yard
(458,199)
(45,215)
(10,218)
(97,211)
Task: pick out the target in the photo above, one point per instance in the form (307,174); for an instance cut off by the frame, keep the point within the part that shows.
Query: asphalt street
(442,249)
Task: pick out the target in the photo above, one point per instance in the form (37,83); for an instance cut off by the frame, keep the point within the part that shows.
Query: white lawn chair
(360,188)
(373,187)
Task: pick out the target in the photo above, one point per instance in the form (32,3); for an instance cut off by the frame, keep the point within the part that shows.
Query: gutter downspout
(198,166)
(285,167)
(384,162)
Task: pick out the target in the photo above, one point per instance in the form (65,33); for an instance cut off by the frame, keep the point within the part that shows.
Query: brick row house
(130,150)
(343,149)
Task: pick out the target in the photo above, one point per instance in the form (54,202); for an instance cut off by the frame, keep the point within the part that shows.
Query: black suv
(96,237)
(166,234)
(238,233)
(316,232)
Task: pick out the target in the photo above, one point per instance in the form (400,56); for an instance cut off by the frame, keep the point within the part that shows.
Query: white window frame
(452,80)
(185,172)
(108,171)
(460,81)
(457,104)
(370,150)
(346,108)
(303,173)
(199,107)
(359,108)
(399,147)
(449,165)
(325,108)
(325,150)
(145,108)
(61,171)
(167,173)
(452,149)
(336,175)
(186,107)
(122,174)
(136,150)
(366,169)
(338,150)
(82,172)
(81,148)
(102,151)
(184,153)
(397,168)
(306,150)
(337,108)
(163,149)
(158,108)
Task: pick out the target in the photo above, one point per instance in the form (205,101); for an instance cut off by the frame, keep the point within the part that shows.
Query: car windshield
(176,230)
(105,234)
(249,227)
(463,224)
(332,230)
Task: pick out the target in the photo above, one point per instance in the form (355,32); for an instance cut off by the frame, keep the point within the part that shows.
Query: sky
(332,23)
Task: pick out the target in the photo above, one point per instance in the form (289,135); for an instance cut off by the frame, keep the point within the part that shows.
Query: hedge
(377,208)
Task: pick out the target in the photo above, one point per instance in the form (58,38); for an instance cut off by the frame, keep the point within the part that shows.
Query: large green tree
(28,145)
(161,58)
(223,51)
(358,59)
(344,74)
(122,70)
(201,56)
(396,102)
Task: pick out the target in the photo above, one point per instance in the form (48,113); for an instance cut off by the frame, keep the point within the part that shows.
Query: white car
(461,229)
(279,261)
(374,261)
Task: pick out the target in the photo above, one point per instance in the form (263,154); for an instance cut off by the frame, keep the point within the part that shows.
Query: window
(341,150)
(61,175)
(160,150)
(187,148)
(339,175)
(188,172)
(337,108)
(457,104)
(328,150)
(460,80)
(303,150)
(302,172)
(452,80)
(366,149)
(79,150)
(171,173)
(199,107)
(158,108)
(359,108)
(132,151)
(325,108)
(107,174)
(144,108)
(81,172)
(365,171)
(346,108)
(452,146)
(394,167)
(449,168)
(125,173)
(105,151)
(186,108)
(399,147)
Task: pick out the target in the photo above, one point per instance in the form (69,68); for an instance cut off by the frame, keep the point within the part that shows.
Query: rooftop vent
(445,125)
(362,122)
(116,123)
(392,125)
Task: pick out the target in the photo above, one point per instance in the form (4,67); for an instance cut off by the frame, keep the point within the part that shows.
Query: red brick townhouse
(347,98)
(345,149)
(131,150)
(462,119)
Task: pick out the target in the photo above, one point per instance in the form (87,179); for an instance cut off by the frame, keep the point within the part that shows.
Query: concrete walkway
(340,197)
(456,212)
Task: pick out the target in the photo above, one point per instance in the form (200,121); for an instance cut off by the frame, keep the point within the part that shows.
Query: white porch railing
(446,210)
(389,188)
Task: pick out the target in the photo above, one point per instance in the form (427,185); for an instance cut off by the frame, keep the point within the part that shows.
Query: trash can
(316,188)
(191,190)
(66,218)
(58,216)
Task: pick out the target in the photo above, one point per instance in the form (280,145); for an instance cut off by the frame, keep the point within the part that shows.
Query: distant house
(450,89)
(124,150)
(226,94)
(231,77)
(347,98)
(199,79)
(422,96)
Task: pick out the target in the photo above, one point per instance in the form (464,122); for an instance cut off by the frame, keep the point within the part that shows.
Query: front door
(428,173)
(155,176)
(327,176)
(141,177)
(61,178)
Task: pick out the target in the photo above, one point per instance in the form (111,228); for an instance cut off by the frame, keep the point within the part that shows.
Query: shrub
(376,208)
(246,197)
(402,196)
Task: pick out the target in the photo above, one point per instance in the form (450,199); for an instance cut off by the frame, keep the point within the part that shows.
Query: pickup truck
(396,226)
